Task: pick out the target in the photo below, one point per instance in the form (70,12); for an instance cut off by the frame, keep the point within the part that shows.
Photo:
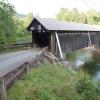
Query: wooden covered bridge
(63,37)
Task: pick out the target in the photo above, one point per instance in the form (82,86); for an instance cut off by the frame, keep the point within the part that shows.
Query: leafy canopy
(7,25)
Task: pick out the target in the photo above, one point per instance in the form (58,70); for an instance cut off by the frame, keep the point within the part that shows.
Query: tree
(7,25)
(22,35)
(90,17)
(69,15)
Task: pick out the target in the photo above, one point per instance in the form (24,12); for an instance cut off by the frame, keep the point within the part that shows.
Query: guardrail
(17,45)
(7,80)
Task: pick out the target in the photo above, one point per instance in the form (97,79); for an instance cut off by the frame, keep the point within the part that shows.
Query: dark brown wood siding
(72,41)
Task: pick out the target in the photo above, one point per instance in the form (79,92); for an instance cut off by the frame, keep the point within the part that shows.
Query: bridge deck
(11,61)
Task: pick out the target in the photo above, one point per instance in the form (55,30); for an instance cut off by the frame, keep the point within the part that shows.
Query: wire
(88,5)
(93,3)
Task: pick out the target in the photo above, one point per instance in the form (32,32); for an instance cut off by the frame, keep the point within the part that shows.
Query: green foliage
(7,29)
(22,35)
(11,26)
(71,56)
(90,17)
(51,82)
(71,15)
(22,25)
(87,88)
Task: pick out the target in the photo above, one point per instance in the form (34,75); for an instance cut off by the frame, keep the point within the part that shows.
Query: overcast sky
(49,8)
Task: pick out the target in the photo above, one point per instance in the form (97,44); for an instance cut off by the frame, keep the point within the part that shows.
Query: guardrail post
(26,65)
(3,91)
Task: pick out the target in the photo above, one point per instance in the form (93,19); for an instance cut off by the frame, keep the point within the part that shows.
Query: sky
(50,8)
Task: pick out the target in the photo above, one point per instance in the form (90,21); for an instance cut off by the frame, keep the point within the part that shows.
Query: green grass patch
(52,82)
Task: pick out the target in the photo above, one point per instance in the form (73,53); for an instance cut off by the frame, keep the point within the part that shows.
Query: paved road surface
(10,61)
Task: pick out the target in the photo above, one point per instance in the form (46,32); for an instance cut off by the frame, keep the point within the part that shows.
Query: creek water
(88,60)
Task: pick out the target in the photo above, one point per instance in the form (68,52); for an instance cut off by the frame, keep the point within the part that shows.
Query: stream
(86,59)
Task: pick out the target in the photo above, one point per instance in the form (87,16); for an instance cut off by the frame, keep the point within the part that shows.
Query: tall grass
(52,82)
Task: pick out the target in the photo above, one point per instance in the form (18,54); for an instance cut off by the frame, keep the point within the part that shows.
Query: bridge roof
(55,25)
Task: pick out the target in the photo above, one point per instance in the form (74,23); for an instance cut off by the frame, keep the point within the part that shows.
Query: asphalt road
(10,61)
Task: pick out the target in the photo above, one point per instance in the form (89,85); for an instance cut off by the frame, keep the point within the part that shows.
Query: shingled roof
(55,25)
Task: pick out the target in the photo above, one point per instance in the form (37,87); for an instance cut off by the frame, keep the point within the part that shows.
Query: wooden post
(32,40)
(56,50)
(90,43)
(59,46)
(27,68)
(3,91)
(53,43)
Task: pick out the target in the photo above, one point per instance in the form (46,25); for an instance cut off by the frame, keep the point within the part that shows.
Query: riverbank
(53,82)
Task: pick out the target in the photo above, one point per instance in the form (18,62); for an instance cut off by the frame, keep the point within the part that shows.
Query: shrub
(87,88)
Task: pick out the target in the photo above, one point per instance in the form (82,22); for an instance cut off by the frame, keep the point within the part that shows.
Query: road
(10,61)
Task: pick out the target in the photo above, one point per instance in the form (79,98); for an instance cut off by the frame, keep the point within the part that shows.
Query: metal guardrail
(18,45)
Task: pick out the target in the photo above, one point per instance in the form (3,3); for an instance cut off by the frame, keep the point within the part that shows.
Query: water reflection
(98,75)
(88,60)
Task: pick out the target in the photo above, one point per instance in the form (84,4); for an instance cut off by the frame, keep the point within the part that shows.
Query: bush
(87,88)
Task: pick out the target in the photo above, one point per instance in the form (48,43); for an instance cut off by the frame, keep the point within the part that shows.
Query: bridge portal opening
(41,39)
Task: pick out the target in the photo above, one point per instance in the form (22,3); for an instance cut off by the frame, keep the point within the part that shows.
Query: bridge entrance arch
(40,39)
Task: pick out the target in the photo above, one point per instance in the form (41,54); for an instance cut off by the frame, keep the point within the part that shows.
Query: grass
(51,82)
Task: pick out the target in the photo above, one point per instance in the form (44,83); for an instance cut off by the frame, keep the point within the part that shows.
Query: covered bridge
(62,37)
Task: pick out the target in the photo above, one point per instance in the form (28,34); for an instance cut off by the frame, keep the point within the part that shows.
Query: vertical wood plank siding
(97,39)
(72,41)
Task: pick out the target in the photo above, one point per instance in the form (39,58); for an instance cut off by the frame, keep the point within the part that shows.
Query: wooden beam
(53,43)
(90,43)
(32,40)
(59,46)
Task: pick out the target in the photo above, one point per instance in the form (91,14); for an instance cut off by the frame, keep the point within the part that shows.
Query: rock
(49,58)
